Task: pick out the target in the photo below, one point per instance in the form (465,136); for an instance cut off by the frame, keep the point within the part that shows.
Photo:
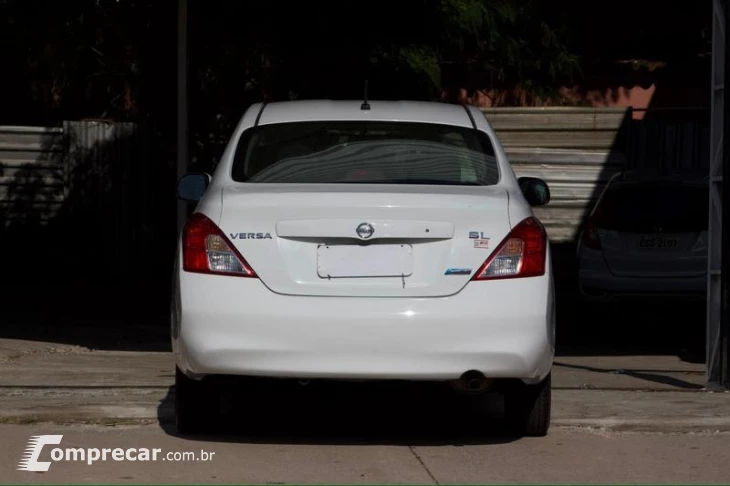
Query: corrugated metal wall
(575,150)
(76,197)
(32,174)
(669,144)
(96,181)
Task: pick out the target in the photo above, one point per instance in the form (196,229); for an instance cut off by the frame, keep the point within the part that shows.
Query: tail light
(589,237)
(521,254)
(207,250)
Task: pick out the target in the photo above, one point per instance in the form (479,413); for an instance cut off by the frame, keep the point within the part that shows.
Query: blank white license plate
(341,261)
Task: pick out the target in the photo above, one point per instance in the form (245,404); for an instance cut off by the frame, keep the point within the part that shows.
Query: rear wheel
(527,408)
(195,404)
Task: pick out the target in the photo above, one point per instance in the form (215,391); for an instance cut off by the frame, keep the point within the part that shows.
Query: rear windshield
(646,208)
(365,153)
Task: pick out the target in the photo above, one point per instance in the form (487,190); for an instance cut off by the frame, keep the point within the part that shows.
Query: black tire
(527,408)
(195,404)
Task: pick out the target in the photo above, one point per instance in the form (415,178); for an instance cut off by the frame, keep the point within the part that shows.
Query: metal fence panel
(77,194)
(670,145)
(97,175)
(575,150)
(31,174)
(718,293)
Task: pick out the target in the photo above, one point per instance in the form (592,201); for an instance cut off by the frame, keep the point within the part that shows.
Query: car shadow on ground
(667,326)
(334,413)
(655,376)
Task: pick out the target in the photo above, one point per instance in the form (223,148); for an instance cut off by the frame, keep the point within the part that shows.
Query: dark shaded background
(115,61)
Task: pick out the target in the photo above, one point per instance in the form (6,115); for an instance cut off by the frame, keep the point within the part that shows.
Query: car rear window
(658,207)
(365,153)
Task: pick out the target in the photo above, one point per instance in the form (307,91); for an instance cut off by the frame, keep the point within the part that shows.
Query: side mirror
(191,187)
(535,190)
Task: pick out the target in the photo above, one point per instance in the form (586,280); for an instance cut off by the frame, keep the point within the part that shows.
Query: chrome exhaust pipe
(472,382)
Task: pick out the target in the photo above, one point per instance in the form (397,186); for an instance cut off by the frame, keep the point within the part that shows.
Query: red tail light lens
(207,250)
(589,237)
(521,254)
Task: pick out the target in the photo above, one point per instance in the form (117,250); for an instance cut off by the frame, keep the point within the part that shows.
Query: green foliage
(491,45)
(422,60)
(76,59)
(111,59)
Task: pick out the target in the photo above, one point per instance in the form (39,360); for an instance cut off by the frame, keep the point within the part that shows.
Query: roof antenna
(365,105)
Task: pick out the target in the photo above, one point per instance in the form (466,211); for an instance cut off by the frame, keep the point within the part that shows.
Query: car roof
(643,177)
(395,111)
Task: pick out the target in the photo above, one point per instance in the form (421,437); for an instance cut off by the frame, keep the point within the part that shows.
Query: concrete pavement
(48,364)
(567,455)
(616,419)
(670,412)
(49,382)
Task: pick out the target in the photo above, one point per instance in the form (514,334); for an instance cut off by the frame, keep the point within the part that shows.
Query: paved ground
(616,419)
(621,415)
(47,364)
(70,384)
(567,455)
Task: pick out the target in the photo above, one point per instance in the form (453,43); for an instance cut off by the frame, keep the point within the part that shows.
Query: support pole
(725,306)
(182,102)
(718,286)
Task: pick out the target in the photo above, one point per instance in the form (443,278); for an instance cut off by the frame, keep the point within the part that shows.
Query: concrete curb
(137,413)
(648,424)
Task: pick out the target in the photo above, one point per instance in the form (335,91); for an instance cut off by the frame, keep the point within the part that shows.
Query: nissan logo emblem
(365,230)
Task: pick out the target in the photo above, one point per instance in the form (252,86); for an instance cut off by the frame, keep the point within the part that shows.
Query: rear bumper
(237,326)
(597,283)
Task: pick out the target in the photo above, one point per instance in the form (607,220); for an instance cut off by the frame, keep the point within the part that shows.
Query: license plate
(657,242)
(342,261)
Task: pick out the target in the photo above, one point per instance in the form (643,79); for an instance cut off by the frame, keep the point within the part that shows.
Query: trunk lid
(420,241)
(655,229)
(655,254)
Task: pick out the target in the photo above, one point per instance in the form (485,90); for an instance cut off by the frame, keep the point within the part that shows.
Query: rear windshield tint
(365,153)
(645,208)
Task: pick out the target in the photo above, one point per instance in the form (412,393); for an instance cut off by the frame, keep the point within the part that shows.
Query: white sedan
(342,240)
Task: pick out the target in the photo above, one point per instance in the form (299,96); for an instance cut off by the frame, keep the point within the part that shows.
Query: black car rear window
(365,153)
(645,208)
